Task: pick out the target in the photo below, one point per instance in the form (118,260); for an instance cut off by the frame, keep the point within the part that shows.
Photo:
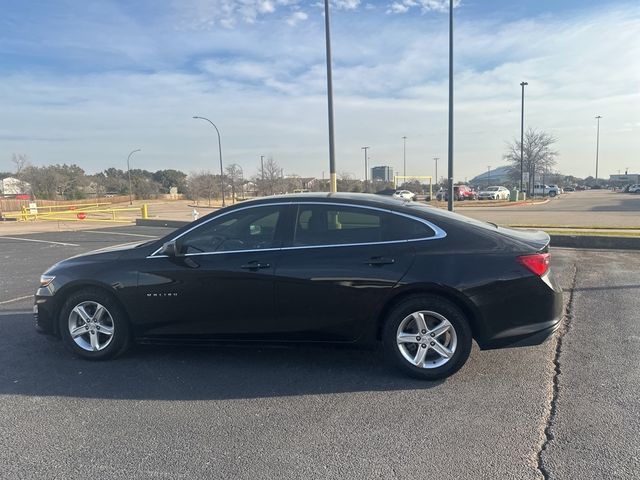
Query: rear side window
(404,228)
(344,225)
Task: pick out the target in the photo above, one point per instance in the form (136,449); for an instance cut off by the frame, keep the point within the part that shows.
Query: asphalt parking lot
(567,409)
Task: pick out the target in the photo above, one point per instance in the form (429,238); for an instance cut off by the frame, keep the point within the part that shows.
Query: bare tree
(348,183)
(539,155)
(269,178)
(20,161)
(203,185)
(234,176)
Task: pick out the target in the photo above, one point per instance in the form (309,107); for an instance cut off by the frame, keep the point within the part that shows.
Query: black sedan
(334,268)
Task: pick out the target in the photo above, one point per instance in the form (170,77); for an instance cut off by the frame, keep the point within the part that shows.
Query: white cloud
(296,17)
(403,6)
(265,86)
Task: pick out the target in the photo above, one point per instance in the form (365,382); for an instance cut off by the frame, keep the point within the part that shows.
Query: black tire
(121,337)
(552,193)
(446,309)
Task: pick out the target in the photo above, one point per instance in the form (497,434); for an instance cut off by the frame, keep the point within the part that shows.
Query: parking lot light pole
(332,149)
(597,144)
(522,84)
(220,152)
(436,160)
(404,157)
(450,149)
(366,171)
(129,174)
(488,176)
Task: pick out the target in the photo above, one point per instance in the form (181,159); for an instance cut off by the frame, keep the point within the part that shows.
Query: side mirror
(170,249)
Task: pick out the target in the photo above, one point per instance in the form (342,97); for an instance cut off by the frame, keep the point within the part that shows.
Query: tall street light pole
(332,151)
(404,157)
(488,175)
(597,144)
(366,171)
(522,84)
(262,167)
(435,159)
(450,150)
(129,173)
(220,152)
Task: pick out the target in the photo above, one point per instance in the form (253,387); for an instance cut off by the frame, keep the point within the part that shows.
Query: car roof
(369,198)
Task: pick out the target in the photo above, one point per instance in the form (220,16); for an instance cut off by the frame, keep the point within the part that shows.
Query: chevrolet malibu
(325,268)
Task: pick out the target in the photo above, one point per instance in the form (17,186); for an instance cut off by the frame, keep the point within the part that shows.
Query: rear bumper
(526,316)
(524,340)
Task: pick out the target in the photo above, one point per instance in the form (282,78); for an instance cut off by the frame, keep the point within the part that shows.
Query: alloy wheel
(91,326)
(426,339)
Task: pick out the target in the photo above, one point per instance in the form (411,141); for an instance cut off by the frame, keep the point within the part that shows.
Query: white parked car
(634,188)
(404,195)
(494,193)
(541,189)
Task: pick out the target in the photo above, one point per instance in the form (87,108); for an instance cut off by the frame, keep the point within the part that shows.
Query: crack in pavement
(552,411)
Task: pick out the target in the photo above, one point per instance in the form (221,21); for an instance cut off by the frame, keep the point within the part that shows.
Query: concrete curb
(150,222)
(567,241)
(595,241)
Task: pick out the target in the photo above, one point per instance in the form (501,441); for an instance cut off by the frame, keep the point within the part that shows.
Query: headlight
(45,280)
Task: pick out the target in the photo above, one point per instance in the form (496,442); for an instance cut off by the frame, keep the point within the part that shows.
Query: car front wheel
(427,337)
(93,325)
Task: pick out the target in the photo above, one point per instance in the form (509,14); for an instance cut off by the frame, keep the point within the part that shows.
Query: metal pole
(220,152)
(522,84)
(366,171)
(488,175)
(129,173)
(262,167)
(332,154)
(450,151)
(436,160)
(404,156)
(597,145)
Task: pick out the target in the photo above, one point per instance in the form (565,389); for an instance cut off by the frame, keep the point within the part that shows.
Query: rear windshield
(445,214)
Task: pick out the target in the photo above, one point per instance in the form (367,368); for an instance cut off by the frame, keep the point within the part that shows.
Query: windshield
(492,189)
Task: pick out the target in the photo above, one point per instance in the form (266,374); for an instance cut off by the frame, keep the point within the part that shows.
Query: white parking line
(121,233)
(16,299)
(42,241)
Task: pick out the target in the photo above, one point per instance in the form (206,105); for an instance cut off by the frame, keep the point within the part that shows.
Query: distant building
(632,178)
(11,186)
(496,176)
(382,174)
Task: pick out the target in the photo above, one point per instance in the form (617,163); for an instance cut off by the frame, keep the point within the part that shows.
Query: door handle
(255,266)
(373,261)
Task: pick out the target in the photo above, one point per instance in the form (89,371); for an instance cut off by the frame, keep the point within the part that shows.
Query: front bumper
(44,312)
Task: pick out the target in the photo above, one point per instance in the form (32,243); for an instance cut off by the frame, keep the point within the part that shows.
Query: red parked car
(460,192)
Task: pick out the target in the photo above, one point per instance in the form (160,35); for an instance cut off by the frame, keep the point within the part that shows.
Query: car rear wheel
(93,325)
(552,193)
(427,337)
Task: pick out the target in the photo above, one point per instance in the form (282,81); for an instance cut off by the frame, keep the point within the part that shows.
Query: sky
(86,82)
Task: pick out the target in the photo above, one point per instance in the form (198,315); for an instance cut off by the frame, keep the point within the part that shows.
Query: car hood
(107,253)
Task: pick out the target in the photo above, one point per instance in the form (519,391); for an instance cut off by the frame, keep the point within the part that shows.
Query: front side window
(343,225)
(248,229)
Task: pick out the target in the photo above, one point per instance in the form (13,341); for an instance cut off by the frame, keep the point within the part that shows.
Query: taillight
(537,263)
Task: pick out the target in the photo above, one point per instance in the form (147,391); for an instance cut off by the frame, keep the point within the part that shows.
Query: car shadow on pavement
(37,365)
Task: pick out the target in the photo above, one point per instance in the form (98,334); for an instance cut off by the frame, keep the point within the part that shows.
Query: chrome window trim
(438,232)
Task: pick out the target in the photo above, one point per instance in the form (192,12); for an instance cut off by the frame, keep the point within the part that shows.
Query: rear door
(340,266)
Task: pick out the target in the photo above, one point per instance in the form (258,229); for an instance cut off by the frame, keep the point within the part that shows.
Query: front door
(221,285)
